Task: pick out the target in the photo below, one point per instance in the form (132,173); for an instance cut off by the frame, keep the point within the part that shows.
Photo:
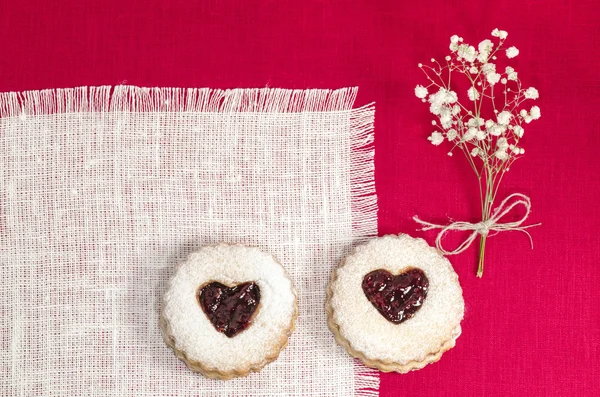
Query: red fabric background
(532,324)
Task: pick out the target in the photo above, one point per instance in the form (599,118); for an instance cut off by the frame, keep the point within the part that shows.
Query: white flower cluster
(489,125)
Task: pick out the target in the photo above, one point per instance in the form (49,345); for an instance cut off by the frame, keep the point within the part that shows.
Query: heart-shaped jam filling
(399,297)
(229,309)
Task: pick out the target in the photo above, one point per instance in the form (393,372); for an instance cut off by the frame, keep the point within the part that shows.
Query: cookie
(228,311)
(395,303)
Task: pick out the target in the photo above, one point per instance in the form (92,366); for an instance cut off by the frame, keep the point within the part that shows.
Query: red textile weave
(532,324)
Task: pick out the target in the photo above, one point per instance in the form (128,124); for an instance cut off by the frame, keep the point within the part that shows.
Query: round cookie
(228,310)
(395,303)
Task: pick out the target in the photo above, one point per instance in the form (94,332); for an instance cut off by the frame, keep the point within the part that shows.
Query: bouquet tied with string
(486,122)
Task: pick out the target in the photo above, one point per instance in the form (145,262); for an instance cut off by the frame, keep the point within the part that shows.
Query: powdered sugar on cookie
(415,342)
(191,334)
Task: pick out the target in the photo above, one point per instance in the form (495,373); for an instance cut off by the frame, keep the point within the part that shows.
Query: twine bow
(484,227)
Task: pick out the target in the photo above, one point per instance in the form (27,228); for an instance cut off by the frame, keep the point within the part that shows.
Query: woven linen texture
(104,190)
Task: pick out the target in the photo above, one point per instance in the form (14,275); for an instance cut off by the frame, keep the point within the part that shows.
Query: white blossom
(511,74)
(523,113)
(446,118)
(532,93)
(502,143)
(512,52)
(475,122)
(528,119)
(451,134)
(497,129)
(470,134)
(455,110)
(473,93)
(467,52)
(502,34)
(451,97)
(480,134)
(475,151)
(454,40)
(443,96)
(504,117)
(492,78)
(518,131)
(488,68)
(436,108)
(485,48)
(436,138)
(501,154)
(535,112)
(420,91)
(473,70)
(440,99)
(503,80)
(521,151)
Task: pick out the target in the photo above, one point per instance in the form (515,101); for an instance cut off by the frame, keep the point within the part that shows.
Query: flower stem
(487,201)
(481,255)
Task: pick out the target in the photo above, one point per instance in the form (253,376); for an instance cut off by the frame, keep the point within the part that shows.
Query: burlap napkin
(103,190)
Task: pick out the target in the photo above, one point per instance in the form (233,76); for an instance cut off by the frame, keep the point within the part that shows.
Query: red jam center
(399,297)
(229,309)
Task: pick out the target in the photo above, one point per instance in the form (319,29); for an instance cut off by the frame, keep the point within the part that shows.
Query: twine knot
(484,227)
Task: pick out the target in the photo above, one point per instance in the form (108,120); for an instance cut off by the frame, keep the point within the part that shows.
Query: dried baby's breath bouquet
(485,120)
